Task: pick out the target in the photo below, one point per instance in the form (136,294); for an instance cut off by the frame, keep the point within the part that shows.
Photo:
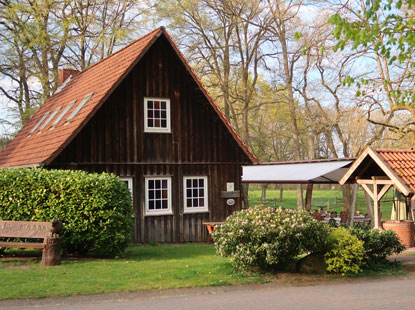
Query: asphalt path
(383,293)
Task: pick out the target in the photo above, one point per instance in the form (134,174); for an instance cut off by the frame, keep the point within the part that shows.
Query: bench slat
(22,229)
(22,245)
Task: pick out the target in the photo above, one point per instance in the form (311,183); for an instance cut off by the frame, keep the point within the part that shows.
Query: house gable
(116,132)
(41,147)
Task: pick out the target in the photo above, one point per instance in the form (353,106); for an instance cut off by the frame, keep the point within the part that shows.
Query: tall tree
(38,37)
(384,29)
(224,47)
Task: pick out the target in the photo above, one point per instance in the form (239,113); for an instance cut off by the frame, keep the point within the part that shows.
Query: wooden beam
(378,181)
(383,191)
(308,197)
(368,205)
(368,191)
(375,205)
(353,207)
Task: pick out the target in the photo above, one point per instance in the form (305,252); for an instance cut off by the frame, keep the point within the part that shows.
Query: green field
(143,267)
(326,199)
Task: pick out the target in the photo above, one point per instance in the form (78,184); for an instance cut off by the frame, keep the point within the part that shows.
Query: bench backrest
(21,229)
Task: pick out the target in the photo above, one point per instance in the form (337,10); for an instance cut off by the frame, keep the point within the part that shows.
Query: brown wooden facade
(199,145)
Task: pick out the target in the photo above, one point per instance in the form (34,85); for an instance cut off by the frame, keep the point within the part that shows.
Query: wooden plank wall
(199,144)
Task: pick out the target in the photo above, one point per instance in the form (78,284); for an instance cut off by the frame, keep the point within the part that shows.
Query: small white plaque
(230,187)
(230,202)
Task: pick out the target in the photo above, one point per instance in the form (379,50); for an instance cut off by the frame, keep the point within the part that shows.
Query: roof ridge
(395,150)
(161,29)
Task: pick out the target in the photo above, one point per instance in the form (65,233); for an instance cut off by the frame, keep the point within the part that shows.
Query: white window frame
(196,209)
(129,181)
(168,116)
(169,209)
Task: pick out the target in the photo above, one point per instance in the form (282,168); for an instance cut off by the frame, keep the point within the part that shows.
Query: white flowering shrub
(265,236)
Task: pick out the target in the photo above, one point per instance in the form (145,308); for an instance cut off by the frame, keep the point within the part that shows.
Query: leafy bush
(264,236)
(378,244)
(94,208)
(347,253)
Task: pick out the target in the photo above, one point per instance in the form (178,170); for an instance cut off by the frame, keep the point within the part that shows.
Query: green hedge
(94,208)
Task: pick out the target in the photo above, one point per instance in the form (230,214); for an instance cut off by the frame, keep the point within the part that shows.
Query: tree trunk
(281,192)
(264,192)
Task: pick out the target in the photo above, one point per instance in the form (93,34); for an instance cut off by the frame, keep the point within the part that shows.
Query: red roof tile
(402,162)
(101,79)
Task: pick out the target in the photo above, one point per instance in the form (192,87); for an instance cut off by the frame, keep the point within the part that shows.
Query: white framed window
(157,115)
(129,182)
(195,189)
(158,195)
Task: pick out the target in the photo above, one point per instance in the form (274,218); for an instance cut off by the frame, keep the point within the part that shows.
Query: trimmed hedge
(94,208)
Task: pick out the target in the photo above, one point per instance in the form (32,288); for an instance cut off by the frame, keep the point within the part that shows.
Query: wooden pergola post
(380,186)
(308,196)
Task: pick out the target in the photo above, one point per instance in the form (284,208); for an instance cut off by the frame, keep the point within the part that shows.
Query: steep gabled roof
(397,165)
(41,146)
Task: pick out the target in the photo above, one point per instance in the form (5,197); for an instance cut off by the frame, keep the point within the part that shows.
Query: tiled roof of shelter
(66,112)
(402,162)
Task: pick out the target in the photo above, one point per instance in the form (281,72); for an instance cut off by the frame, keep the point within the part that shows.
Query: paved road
(383,294)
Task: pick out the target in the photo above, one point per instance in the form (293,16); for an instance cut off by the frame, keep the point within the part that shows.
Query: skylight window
(80,106)
(70,105)
(63,84)
(50,118)
(39,122)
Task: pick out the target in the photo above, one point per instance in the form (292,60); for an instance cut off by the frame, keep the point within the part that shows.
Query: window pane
(201,192)
(201,182)
(156,123)
(194,182)
(195,203)
(163,105)
(151,184)
(156,105)
(195,193)
(189,203)
(158,184)
(150,123)
(156,114)
(149,104)
(151,205)
(158,204)
(201,202)
(164,183)
(158,193)
(165,204)
(163,114)
(188,183)
(163,124)
(189,193)
(150,194)
(150,113)
(165,193)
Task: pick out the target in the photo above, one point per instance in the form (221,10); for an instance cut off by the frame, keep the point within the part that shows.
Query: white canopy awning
(313,171)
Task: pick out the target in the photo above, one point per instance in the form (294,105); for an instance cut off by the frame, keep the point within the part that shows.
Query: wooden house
(143,115)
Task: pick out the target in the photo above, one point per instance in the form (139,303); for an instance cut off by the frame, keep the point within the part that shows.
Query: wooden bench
(48,231)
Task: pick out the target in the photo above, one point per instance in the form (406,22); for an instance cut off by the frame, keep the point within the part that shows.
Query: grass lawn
(140,268)
(321,198)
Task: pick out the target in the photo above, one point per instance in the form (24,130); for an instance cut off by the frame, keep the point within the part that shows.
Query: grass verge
(144,267)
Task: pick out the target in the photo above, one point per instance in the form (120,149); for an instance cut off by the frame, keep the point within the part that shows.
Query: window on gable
(158,195)
(156,115)
(195,191)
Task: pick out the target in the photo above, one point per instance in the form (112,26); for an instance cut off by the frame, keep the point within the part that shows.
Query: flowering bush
(347,253)
(264,236)
(378,244)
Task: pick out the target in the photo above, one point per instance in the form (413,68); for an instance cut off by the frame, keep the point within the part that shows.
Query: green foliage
(378,244)
(347,253)
(94,208)
(266,236)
